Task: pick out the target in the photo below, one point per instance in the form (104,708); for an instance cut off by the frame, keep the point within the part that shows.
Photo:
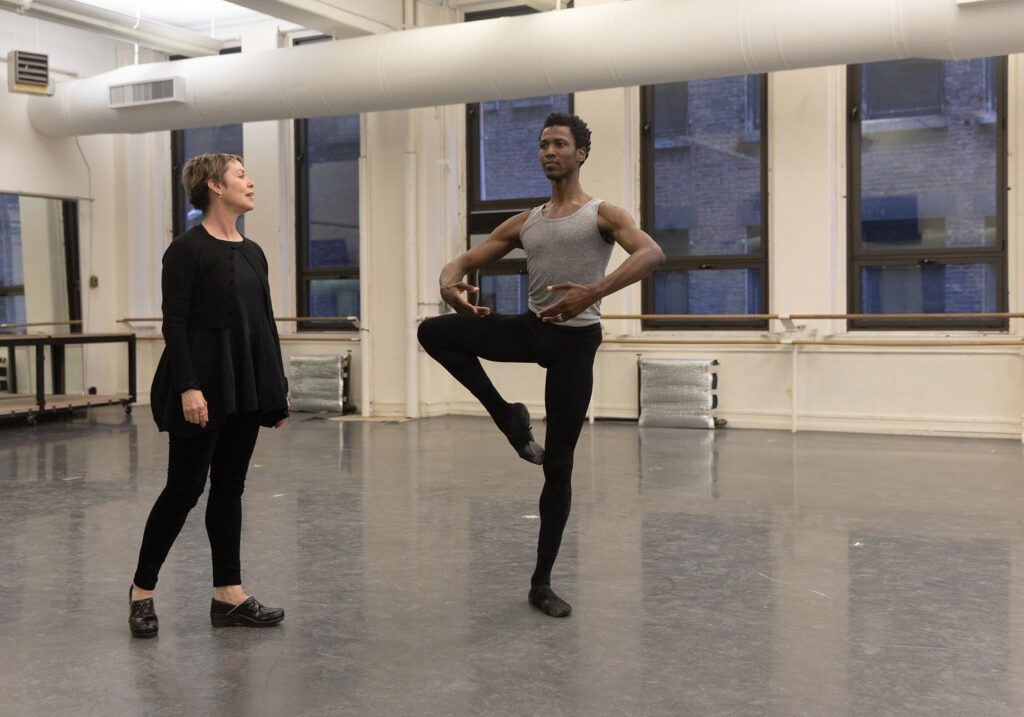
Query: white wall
(974,391)
(83,170)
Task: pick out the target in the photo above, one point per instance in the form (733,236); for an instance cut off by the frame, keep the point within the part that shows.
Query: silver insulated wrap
(317,383)
(677,393)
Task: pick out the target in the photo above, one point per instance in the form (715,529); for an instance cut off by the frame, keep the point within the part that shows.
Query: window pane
(332,184)
(902,88)
(226,139)
(708,291)
(707,167)
(333,297)
(671,114)
(504,293)
(930,184)
(915,289)
(509,131)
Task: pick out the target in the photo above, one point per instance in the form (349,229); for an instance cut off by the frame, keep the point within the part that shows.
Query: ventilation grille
(147,93)
(28,72)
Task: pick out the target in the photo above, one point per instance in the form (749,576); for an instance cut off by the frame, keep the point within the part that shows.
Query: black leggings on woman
(224,453)
(459,342)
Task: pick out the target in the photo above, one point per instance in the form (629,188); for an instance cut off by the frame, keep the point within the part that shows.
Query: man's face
(558,153)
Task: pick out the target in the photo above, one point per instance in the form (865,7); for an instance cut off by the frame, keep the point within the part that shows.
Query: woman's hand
(284,420)
(195,408)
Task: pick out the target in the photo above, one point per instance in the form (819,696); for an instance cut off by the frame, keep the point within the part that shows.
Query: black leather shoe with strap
(518,431)
(250,613)
(142,619)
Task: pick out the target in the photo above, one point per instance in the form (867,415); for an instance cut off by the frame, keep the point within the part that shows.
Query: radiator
(678,393)
(319,383)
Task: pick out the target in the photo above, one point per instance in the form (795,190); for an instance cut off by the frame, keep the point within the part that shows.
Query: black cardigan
(199,300)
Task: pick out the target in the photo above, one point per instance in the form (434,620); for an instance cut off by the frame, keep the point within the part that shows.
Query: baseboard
(954,426)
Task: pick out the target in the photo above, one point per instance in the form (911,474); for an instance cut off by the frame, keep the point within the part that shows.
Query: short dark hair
(201,169)
(579,129)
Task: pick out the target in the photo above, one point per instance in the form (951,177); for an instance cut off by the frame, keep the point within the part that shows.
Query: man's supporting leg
(567,395)
(459,342)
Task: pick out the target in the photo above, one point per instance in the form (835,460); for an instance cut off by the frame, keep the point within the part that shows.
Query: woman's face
(235,189)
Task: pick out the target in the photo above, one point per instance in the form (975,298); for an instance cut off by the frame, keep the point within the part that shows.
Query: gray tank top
(567,249)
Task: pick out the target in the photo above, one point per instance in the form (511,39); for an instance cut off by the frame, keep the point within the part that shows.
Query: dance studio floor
(711,573)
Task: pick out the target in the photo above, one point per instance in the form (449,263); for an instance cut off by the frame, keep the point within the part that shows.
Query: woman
(219,379)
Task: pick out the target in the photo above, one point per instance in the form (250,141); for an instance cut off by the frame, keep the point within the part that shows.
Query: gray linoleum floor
(728,573)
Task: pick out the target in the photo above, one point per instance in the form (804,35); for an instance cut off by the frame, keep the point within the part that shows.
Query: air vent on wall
(152,92)
(28,72)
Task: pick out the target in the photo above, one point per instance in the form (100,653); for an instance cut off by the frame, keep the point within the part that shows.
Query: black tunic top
(220,334)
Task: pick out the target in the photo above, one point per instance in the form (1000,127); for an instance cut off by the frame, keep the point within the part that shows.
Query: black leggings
(459,342)
(224,453)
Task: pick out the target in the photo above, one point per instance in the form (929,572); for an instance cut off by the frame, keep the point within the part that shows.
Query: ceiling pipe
(166,38)
(615,44)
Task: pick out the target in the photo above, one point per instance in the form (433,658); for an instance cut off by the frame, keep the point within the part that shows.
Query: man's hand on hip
(575,301)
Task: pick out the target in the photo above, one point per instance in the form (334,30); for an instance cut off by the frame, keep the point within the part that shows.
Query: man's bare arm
(452,280)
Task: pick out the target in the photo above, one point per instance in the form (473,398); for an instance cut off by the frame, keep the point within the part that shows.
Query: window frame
(858,258)
(704,261)
(304,274)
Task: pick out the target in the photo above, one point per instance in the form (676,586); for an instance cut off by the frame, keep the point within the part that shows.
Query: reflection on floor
(712,573)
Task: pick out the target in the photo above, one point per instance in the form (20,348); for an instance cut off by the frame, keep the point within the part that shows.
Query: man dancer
(568,242)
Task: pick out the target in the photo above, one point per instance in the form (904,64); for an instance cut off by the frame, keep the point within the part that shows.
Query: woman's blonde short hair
(199,170)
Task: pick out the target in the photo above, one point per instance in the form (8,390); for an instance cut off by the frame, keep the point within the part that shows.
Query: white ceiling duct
(609,45)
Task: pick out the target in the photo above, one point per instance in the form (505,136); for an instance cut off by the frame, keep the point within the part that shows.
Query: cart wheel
(31,418)
(128,408)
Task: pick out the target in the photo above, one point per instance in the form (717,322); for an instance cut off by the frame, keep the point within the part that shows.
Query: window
(327,218)
(927,192)
(505,179)
(703,200)
(187,143)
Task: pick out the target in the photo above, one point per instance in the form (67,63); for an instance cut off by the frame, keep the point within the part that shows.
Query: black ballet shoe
(517,430)
(142,620)
(544,599)
(247,614)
